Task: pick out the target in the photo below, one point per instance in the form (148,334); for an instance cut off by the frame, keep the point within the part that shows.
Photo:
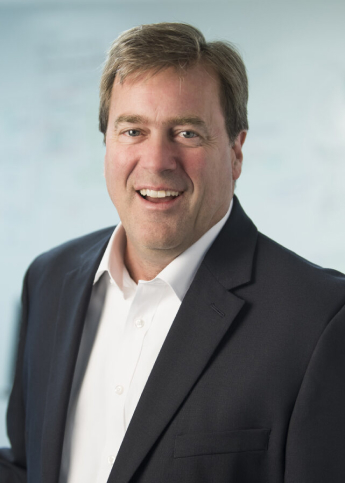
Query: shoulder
(71,254)
(287,273)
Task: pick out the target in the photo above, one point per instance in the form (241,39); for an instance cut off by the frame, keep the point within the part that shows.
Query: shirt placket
(122,368)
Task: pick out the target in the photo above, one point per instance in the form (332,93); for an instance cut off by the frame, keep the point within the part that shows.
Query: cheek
(114,181)
(219,183)
(211,176)
(110,174)
(198,170)
(117,168)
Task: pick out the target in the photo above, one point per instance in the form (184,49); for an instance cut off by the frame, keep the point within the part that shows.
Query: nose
(159,154)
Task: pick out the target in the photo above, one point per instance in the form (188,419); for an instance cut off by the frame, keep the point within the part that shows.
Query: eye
(132,132)
(189,134)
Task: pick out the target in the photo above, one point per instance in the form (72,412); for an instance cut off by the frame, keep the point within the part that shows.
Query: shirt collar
(178,274)
(113,261)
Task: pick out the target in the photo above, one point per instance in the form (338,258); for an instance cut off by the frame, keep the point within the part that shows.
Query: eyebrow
(131,119)
(184,120)
(174,121)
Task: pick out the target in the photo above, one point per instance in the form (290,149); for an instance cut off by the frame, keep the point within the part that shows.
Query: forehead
(195,90)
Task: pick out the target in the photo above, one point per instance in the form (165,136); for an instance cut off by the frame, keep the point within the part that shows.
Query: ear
(238,155)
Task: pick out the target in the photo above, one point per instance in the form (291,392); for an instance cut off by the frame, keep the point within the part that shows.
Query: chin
(161,241)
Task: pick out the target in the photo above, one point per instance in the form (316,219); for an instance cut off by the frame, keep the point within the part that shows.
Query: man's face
(166,136)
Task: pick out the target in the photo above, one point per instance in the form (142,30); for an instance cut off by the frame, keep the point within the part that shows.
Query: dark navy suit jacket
(249,386)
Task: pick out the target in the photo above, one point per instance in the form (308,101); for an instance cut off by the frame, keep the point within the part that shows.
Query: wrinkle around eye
(124,137)
(189,131)
(130,136)
(194,140)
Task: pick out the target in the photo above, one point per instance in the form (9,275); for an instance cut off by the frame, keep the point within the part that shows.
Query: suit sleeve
(315,451)
(13,460)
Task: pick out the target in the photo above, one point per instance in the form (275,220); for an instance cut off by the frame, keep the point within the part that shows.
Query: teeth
(158,194)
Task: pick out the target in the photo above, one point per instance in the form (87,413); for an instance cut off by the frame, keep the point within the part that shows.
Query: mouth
(159,196)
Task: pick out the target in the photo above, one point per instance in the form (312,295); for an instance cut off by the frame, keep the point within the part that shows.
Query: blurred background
(51,153)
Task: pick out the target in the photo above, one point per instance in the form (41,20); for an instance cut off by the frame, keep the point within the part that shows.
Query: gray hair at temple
(155,47)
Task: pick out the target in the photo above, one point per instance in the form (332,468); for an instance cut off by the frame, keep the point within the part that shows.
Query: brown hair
(159,46)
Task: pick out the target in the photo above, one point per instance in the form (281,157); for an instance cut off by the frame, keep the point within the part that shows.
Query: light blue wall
(51,181)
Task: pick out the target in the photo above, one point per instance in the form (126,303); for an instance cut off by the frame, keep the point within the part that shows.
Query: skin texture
(167,132)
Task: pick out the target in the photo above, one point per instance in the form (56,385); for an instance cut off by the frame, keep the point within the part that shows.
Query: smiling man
(183,345)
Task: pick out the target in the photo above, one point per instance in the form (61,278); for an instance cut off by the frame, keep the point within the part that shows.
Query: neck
(144,266)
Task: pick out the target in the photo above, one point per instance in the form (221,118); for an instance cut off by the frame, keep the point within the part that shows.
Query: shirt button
(139,323)
(111,459)
(119,390)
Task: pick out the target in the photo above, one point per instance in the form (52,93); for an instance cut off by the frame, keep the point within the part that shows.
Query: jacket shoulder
(70,254)
(296,274)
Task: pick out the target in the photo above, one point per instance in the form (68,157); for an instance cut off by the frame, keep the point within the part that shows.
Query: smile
(158,194)
(159,199)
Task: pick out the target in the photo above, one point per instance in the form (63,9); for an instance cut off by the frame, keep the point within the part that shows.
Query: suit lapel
(74,299)
(207,312)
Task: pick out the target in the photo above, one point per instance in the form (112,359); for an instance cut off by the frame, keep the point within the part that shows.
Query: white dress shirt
(117,353)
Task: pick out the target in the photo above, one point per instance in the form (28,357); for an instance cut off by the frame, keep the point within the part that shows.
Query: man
(184,346)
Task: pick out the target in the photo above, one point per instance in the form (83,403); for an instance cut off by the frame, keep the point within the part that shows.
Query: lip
(155,188)
(160,205)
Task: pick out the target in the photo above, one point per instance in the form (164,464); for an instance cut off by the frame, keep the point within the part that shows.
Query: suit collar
(231,256)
